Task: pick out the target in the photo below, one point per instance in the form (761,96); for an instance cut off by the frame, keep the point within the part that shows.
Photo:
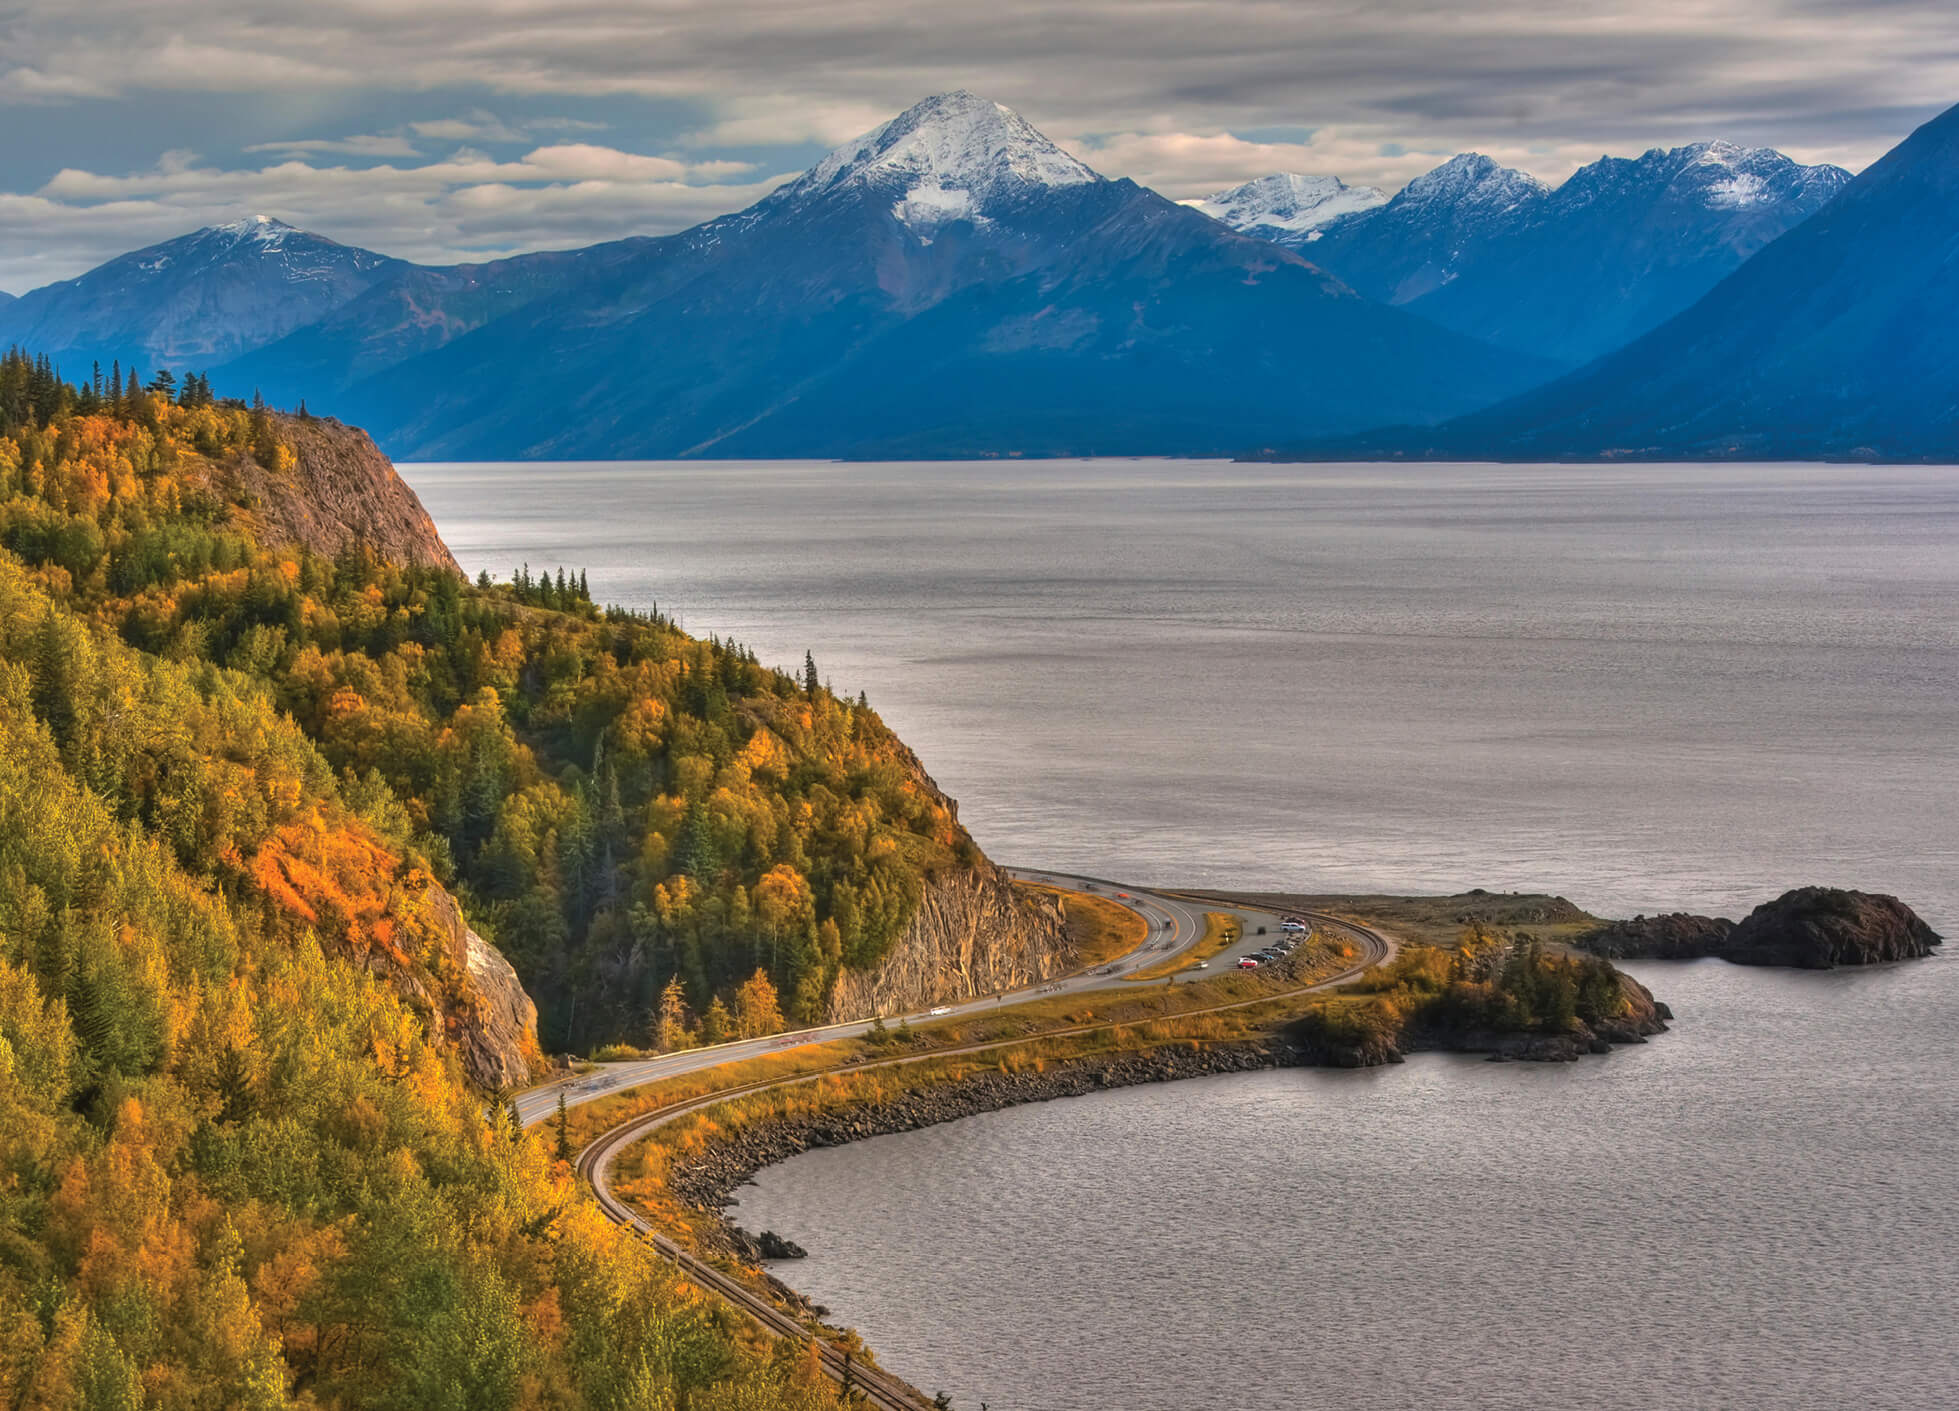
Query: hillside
(266,800)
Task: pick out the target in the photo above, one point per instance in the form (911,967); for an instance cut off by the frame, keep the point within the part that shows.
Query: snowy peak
(1288,204)
(954,157)
(1718,176)
(1472,181)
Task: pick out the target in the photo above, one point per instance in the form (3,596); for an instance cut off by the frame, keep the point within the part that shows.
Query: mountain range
(951,284)
(197,301)
(1836,341)
(1566,273)
(954,284)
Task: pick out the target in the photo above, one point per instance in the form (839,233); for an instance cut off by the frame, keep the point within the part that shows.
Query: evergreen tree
(810,681)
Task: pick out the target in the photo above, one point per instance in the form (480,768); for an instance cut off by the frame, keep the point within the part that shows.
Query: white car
(939,1009)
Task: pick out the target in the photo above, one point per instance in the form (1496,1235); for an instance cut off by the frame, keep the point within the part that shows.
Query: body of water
(1646,687)
(1748,1212)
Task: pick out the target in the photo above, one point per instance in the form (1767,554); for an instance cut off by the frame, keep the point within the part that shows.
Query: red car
(1248,964)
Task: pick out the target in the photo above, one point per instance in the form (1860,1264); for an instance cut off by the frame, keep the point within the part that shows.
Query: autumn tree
(756,1009)
(671,1029)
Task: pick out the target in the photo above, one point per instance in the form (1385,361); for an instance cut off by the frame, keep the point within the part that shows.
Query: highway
(1175,924)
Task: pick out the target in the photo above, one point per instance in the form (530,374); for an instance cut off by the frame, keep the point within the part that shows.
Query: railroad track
(877,1387)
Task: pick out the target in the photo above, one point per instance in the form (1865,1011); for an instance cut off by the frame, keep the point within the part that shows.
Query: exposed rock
(1816,928)
(471,996)
(974,933)
(1812,928)
(710,1174)
(341,490)
(1675,936)
(773,1246)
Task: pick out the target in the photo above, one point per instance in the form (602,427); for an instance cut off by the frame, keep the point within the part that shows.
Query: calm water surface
(1749,1212)
(1644,687)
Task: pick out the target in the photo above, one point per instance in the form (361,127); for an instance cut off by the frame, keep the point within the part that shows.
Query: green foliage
(238,1168)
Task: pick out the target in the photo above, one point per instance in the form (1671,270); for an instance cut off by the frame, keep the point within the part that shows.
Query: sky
(438,130)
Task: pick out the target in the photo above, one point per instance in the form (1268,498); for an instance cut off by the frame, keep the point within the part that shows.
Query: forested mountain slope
(248,795)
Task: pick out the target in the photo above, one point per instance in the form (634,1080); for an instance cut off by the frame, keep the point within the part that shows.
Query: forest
(242,1167)
(615,803)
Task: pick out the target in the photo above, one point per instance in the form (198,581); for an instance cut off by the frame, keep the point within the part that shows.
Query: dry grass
(1438,920)
(1100,929)
(1220,934)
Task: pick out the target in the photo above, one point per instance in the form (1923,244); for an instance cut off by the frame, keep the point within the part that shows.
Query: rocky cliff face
(974,934)
(491,1020)
(341,490)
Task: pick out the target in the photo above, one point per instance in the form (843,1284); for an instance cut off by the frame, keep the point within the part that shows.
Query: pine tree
(811,683)
(561,1124)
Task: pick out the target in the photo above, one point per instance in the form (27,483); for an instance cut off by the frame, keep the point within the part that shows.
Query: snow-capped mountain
(951,283)
(1288,204)
(954,157)
(1572,272)
(1839,339)
(196,300)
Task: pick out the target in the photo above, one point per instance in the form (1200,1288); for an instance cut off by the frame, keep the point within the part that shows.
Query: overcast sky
(441,130)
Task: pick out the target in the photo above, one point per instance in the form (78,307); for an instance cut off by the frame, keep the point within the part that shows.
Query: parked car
(1250,962)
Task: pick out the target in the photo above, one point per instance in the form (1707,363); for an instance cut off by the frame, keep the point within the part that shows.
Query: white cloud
(373,145)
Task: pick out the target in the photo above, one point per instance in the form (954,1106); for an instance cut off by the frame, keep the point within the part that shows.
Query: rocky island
(1809,928)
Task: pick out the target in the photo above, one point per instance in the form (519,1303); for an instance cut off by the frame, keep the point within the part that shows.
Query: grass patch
(1440,920)
(1221,932)
(1100,929)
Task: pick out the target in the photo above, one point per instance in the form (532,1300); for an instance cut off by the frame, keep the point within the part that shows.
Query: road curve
(1175,924)
(1176,917)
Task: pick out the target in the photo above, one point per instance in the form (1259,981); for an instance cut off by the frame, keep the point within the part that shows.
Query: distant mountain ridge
(201,299)
(951,284)
(1839,340)
(1282,207)
(1572,272)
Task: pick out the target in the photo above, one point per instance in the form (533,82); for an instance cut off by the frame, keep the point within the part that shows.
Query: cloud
(1186,95)
(465,206)
(375,145)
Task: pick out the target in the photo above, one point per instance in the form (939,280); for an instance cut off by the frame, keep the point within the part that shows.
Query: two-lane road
(1175,924)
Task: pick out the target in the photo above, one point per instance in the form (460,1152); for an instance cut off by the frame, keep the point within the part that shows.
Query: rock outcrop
(974,933)
(497,1033)
(1677,935)
(1817,928)
(1810,928)
(340,490)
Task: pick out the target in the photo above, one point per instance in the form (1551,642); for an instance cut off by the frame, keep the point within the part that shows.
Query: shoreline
(708,1179)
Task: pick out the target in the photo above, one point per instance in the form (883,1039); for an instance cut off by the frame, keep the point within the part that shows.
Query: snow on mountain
(1472,186)
(1288,204)
(956,156)
(1572,272)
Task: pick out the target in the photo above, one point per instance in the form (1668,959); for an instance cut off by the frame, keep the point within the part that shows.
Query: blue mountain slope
(1838,340)
(195,301)
(1572,273)
(950,284)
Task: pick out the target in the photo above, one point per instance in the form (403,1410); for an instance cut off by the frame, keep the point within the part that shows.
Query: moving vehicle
(939,1009)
